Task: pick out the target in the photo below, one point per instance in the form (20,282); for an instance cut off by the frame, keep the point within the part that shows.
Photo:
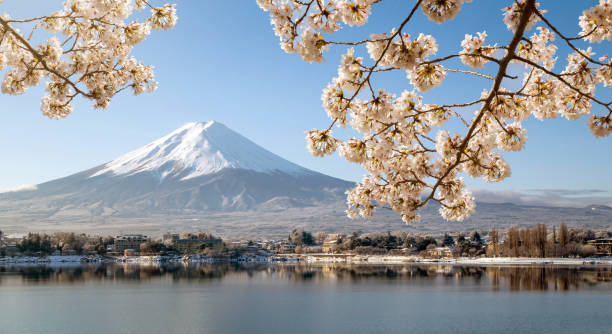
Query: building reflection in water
(495,278)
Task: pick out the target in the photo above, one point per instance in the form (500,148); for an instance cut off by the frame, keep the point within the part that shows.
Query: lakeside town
(537,244)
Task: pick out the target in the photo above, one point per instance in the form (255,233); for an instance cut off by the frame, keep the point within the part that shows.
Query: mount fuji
(198,149)
(198,167)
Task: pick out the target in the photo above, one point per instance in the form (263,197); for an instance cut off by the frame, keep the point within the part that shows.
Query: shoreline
(306,259)
(386,259)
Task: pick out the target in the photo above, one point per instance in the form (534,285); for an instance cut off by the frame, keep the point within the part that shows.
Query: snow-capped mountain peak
(197,149)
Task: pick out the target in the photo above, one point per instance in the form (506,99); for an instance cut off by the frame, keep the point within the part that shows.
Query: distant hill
(599,208)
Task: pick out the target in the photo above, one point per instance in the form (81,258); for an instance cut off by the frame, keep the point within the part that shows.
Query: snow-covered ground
(528,261)
(48,259)
(387,259)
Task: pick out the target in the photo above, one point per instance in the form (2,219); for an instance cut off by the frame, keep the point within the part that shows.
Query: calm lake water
(229,298)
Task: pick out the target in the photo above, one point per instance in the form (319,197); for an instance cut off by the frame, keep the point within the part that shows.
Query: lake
(233,298)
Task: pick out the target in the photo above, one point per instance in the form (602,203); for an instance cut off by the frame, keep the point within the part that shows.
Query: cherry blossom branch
(528,9)
(568,40)
(560,78)
(470,72)
(40,59)
(100,44)
(406,20)
(401,168)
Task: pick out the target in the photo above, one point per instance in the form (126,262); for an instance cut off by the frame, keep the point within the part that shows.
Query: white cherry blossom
(440,11)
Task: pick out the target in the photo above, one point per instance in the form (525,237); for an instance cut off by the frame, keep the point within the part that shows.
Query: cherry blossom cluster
(87,53)
(513,13)
(441,11)
(474,50)
(410,158)
(596,22)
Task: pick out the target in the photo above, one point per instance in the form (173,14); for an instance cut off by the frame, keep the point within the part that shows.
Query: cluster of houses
(603,246)
(284,246)
(195,243)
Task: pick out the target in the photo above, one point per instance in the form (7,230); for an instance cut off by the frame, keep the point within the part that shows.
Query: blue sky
(223,62)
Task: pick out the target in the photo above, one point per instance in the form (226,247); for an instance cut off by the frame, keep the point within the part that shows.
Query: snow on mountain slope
(200,167)
(198,149)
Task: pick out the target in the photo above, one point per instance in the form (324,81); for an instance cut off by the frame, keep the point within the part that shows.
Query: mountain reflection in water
(496,278)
